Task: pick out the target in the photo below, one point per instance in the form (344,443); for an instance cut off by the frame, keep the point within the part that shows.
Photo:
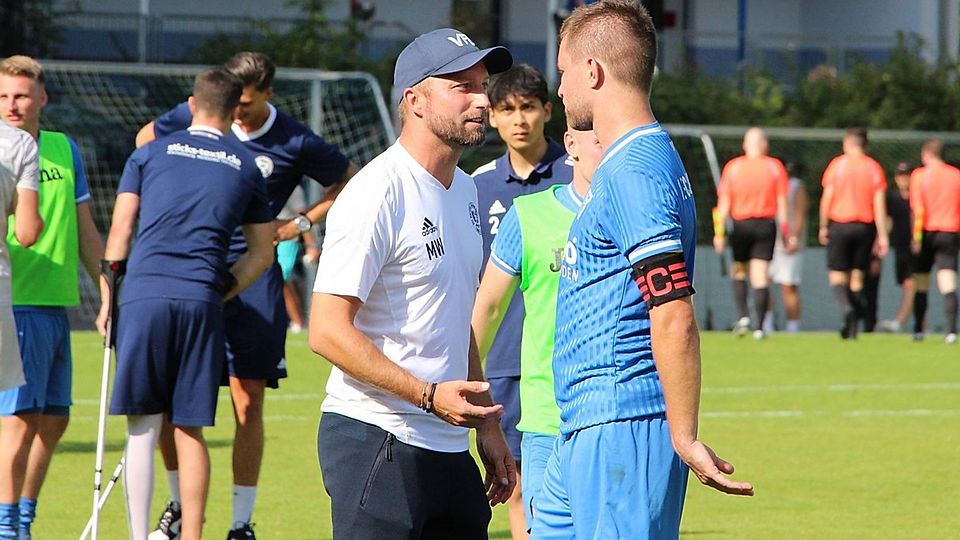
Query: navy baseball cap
(442,52)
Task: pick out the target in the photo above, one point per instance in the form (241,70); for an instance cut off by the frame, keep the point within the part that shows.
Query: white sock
(793,326)
(243,499)
(143,431)
(173,479)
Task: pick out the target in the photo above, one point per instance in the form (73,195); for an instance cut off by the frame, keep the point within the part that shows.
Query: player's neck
(256,122)
(617,113)
(524,160)
(33,130)
(580,184)
(437,157)
(201,118)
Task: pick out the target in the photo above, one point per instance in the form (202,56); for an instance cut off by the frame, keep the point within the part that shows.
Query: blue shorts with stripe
(597,480)
(44,337)
(256,329)
(537,448)
(170,356)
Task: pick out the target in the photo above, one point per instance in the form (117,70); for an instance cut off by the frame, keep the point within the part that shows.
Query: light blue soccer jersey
(640,204)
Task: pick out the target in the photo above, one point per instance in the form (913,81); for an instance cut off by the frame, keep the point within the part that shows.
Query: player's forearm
(475,373)
(880,215)
(676,352)
(487,317)
(341,344)
(27,224)
(91,246)
(256,260)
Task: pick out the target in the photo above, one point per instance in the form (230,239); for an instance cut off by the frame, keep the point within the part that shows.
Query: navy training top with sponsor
(284,150)
(640,205)
(497,186)
(195,187)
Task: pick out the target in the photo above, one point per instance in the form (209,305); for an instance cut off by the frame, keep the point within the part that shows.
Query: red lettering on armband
(662,278)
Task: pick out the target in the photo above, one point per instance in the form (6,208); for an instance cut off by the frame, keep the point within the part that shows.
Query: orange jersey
(855,181)
(935,195)
(752,186)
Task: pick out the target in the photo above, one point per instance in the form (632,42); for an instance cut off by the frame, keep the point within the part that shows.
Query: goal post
(102,105)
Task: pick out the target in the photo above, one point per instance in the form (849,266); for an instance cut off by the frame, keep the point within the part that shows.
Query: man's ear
(596,75)
(547,111)
(192,105)
(570,144)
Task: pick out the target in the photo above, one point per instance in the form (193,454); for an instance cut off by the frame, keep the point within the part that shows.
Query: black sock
(919,310)
(842,294)
(740,296)
(761,298)
(858,301)
(950,308)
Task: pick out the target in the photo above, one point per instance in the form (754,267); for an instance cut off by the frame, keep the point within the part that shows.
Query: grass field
(841,440)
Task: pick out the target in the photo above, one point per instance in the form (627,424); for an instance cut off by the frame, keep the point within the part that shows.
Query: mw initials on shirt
(434,249)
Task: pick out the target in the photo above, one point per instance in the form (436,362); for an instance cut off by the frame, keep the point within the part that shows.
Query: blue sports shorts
(615,480)
(256,329)
(43,334)
(537,448)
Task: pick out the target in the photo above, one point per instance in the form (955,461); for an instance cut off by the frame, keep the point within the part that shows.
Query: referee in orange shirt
(752,191)
(935,200)
(853,213)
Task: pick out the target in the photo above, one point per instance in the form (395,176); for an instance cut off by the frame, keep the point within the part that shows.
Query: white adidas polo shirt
(411,251)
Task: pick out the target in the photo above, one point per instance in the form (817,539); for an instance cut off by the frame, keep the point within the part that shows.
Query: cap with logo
(442,52)
(904,168)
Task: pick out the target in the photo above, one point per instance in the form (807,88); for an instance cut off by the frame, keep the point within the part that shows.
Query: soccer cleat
(849,329)
(950,339)
(168,527)
(742,327)
(888,326)
(241,531)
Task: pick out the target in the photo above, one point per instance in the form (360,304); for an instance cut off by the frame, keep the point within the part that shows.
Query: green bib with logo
(544,225)
(46,274)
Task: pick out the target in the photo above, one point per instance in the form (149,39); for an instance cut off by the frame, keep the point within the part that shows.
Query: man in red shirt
(753,192)
(935,200)
(853,215)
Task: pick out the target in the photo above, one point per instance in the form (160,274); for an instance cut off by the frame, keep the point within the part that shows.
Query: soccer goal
(706,148)
(103,105)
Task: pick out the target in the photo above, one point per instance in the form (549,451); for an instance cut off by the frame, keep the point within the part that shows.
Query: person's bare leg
(50,429)
(516,514)
(16,436)
(194,479)
(248,396)
(791,301)
(291,298)
(908,289)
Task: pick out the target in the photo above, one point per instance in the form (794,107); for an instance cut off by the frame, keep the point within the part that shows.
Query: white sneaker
(950,339)
(168,526)
(888,326)
(759,335)
(742,327)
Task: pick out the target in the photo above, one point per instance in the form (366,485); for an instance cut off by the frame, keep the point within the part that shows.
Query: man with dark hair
(45,283)
(285,151)
(935,200)
(395,286)
(627,354)
(753,191)
(853,217)
(185,195)
(519,109)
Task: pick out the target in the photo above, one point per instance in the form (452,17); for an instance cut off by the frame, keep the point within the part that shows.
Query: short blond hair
(22,66)
(618,32)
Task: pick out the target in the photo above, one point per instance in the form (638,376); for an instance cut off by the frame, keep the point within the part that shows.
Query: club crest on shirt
(265,164)
(474,216)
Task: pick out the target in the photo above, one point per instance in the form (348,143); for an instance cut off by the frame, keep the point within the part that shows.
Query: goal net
(103,105)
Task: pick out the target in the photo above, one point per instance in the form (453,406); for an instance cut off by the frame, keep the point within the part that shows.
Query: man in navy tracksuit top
(256,322)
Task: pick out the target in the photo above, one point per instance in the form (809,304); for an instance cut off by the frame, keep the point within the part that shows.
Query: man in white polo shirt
(395,288)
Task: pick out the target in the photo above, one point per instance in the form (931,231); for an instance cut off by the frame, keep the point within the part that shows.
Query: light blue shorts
(287,253)
(44,337)
(536,449)
(616,480)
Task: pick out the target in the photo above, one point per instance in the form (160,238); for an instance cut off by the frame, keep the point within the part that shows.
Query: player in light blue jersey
(626,358)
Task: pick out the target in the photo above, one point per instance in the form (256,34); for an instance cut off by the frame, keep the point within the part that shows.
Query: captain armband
(662,278)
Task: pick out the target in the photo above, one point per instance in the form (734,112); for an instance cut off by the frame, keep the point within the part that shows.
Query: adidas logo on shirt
(497,208)
(428,227)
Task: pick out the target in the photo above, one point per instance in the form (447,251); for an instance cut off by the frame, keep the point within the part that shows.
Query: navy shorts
(44,338)
(382,489)
(256,328)
(506,390)
(170,357)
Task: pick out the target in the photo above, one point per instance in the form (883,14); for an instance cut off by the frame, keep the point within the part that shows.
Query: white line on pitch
(828,388)
(850,414)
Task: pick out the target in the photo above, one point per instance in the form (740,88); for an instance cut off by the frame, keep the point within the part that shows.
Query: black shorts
(938,249)
(850,246)
(753,239)
(904,262)
(506,391)
(381,488)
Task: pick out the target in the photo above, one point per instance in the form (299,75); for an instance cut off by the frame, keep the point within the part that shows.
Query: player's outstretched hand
(102,318)
(711,470)
(451,403)
(500,478)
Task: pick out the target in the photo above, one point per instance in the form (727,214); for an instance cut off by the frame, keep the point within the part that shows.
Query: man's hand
(102,317)
(500,477)
(882,247)
(311,254)
(450,403)
(793,244)
(915,246)
(719,243)
(286,230)
(711,470)
(823,235)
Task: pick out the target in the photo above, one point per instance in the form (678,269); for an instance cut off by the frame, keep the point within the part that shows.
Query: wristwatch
(303,223)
